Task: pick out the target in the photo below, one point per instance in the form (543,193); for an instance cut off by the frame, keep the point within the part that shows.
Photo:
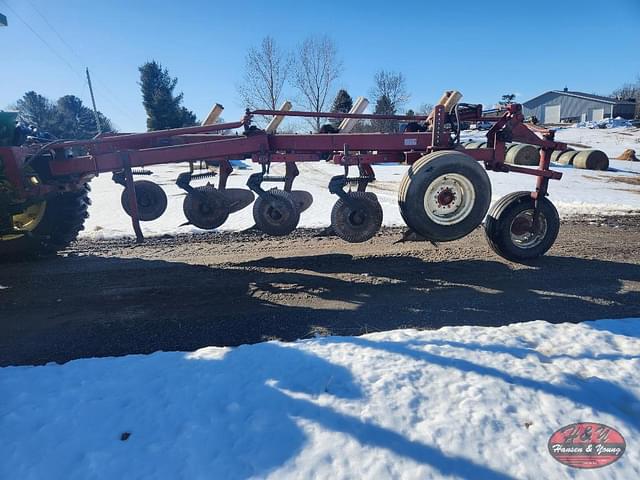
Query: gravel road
(104,298)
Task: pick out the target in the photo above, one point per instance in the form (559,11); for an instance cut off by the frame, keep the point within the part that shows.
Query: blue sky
(484,49)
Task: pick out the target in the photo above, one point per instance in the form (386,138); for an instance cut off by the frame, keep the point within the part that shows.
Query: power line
(111,98)
(64,60)
(55,52)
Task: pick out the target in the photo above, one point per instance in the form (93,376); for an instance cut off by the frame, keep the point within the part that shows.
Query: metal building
(559,106)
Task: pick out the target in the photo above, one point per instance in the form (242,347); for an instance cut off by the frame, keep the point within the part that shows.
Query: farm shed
(566,106)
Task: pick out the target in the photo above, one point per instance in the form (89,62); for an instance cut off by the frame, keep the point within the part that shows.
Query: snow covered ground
(460,402)
(579,192)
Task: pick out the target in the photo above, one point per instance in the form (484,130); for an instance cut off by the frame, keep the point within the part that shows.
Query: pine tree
(384,107)
(342,104)
(507,99)
(410,113)
(164,109)
(68,118)
(36,110)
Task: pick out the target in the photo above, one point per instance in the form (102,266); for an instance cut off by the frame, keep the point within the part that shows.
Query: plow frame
(120,153)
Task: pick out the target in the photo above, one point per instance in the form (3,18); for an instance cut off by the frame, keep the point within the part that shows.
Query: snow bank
(605,123)
(459,402)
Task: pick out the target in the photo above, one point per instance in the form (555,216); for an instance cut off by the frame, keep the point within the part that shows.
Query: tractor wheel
(151,200)
(275,213)
(52,225)
(444,195)
(357,220)
(510,228)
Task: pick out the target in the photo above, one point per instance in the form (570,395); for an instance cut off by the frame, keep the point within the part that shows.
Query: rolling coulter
(444,195)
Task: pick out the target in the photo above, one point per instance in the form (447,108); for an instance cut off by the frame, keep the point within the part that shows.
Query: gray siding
(570,106)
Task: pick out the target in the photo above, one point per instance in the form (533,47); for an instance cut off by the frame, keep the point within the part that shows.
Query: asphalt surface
(103,298)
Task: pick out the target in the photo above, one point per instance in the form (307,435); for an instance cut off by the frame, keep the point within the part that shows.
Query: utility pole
(93,101)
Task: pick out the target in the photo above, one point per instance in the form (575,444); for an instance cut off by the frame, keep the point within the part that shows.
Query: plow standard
(444,195)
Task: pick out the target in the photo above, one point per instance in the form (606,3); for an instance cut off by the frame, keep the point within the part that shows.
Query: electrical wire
(66,62)
(111,98)
(55,52)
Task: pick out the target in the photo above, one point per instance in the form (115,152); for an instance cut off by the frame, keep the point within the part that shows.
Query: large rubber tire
(434,167)
(504,225)
(359,219)
(62,220)
(275,213)
(151,200)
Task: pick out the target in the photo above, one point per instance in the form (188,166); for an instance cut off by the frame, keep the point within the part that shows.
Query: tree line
(311,74)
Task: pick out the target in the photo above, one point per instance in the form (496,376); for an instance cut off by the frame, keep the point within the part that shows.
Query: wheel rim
(27,220)
(356,218)
(523,232)
(449,199)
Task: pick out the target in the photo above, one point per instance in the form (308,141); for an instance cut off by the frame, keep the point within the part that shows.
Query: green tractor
(42,224)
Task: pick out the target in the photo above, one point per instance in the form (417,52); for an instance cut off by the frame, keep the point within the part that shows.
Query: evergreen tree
(74,120)
(36,110)
(68,118)
(507,99)
(164,109)
(385,107)
(342,104)
(410,113)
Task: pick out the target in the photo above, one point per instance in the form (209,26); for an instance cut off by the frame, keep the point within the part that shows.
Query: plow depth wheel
(151,199)
(444,195)
(357,220)
(512,232)
(206,207)
(275,213)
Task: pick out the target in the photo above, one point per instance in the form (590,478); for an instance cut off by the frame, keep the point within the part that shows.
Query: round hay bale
(523,154)
(473,145)
(628,155)
(555,155)
(566,157)
(591,160)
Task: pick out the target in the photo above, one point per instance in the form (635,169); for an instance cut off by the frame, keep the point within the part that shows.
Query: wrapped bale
(522,154)
(591,160)
(474,145)
(555,155)
(566,157)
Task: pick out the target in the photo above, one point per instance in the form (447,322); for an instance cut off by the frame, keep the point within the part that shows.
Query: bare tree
(424,109)
(393,86)
(316,69)
(266,70)
(627,91)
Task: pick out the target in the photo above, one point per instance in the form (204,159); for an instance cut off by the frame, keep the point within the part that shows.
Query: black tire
(275,213)
(151,199)
(508,218)
(62,220)
(416,184)
(206,208)
(359,219)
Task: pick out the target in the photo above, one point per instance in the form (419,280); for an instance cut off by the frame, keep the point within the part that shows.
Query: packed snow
(579,192)
(460,402)
(606,123)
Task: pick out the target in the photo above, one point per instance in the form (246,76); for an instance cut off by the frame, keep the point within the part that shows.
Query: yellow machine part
(27,220)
